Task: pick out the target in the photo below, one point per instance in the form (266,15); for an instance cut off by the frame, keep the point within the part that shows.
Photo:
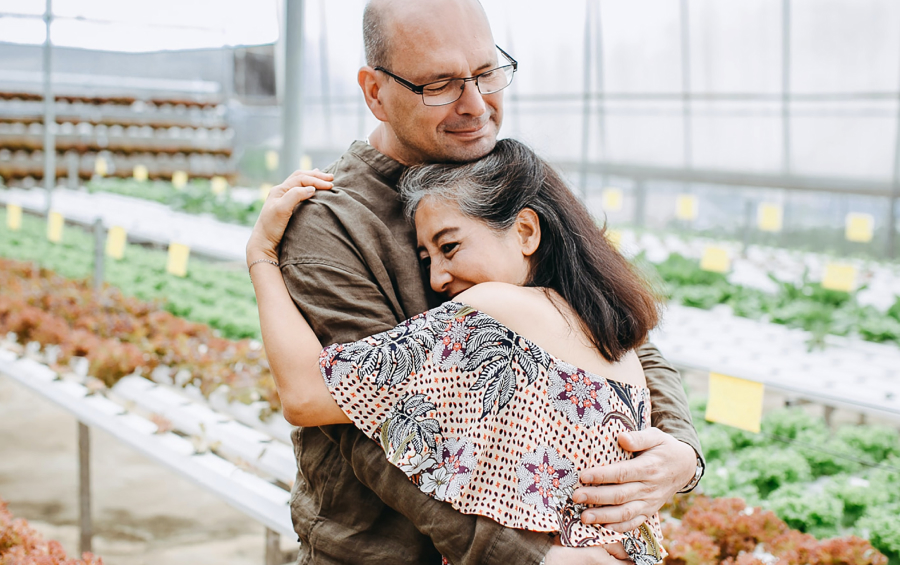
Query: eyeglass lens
(450,91)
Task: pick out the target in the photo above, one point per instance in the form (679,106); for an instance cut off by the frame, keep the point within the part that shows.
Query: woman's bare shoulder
(509,304)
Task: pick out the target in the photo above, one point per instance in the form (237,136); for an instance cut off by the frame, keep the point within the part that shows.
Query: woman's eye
(425,261)
(447,248)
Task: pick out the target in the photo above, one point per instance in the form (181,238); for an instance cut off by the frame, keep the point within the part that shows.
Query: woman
(493,401)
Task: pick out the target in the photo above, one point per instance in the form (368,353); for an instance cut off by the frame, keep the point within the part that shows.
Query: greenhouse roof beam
(735,178)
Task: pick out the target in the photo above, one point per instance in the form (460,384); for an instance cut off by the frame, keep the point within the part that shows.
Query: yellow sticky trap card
(735,402)
(271,160)
(100,167)
(612,200)
(839,277)
(715,259)
(14,217)
(179,179)
(686,207)
(306,163)
(769,217)
(218,185)
(615,238)
(178,259)
(55,224)
(859,227)
(115,242)
(140,173)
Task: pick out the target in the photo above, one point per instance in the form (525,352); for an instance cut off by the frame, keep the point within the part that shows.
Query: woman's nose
(440,279)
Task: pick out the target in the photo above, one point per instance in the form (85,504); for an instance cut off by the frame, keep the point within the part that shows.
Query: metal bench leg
(829,414)
(84,486)
(273,547)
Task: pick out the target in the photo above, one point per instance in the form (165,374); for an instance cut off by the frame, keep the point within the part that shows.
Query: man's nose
(472,101)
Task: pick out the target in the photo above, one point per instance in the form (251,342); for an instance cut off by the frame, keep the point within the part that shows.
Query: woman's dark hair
(574,258)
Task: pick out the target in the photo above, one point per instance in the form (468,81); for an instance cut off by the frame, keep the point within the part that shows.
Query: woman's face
(461,252)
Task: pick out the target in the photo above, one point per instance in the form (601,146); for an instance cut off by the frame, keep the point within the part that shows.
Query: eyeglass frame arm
(420,89)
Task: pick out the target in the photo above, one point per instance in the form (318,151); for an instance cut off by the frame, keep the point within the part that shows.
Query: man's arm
(671,412)
(627,493)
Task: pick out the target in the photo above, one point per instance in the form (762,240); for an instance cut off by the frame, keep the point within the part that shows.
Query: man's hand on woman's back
(628,493)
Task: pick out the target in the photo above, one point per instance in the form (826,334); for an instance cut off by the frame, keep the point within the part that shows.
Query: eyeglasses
(448,91)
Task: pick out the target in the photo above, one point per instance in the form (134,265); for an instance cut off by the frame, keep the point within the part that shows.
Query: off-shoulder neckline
(553,358)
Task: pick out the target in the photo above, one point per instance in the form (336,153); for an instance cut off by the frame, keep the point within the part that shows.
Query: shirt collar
(381,163)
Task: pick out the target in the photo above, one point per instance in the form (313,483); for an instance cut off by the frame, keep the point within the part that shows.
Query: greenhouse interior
(742,156)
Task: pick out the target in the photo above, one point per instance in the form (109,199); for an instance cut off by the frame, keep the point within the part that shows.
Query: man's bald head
(425,42)
(382,18)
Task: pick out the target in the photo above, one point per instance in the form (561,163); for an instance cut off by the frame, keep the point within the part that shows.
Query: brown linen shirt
(349,261)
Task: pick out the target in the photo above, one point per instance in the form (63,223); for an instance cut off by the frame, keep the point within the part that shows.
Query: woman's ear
(528,230)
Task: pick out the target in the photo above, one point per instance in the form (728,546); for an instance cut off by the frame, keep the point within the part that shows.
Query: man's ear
(528,230)
(371,87)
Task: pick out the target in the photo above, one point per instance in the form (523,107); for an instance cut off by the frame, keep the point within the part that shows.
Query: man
(349,260)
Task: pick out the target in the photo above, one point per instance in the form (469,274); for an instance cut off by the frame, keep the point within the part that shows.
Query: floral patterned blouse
(480,417)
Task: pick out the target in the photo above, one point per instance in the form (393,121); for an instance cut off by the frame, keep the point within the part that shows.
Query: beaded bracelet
(275,263)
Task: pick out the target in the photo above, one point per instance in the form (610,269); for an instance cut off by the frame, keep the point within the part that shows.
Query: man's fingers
(616,473)
(640,440)
(610,494)
(620,514)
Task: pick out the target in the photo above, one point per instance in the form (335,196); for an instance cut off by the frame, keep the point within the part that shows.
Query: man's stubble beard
(427,151)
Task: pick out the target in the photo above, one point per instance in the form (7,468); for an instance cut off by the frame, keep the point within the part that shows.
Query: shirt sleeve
(671,413)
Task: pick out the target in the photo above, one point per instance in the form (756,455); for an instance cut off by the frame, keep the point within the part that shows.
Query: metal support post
(687,130)
(292,105)
(640,203)
(74,170)
(786,85)
(829,416)
(84,487)
(324,68)
(586,102)
(273,547)
(49,113)
(748,226)
(891,227)
(99,250)
(84,433)
(601,88)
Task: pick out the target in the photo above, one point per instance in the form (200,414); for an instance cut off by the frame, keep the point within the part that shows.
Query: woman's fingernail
(579,498)
(587,478)
(589,518)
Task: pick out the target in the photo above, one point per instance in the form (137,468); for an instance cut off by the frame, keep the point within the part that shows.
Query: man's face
(451,40)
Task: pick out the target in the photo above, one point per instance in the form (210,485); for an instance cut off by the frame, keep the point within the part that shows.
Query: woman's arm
(291,346)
